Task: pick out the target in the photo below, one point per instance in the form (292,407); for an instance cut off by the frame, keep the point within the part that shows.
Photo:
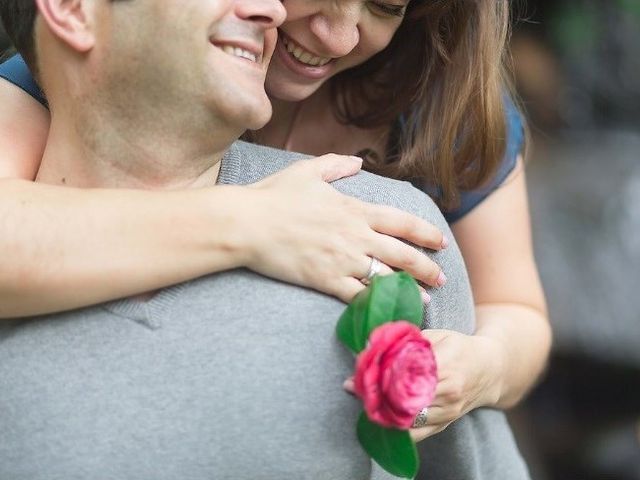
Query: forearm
(521,336)
(66,248)
(511,312)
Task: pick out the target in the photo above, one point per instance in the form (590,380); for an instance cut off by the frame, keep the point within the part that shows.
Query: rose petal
(396,374)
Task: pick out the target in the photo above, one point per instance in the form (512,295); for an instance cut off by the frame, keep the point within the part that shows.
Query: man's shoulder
(248,163)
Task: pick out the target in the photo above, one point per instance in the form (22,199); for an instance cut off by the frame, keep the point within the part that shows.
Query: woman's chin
(288,92)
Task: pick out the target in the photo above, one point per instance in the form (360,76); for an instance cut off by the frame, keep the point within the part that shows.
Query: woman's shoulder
(16,71)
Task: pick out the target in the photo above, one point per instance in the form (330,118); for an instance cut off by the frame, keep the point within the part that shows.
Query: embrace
(169,292)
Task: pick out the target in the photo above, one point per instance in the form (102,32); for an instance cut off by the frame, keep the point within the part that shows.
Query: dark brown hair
(443,74)
(18,18)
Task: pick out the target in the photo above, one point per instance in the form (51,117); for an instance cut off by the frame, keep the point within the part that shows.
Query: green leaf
(395,297)
(392,449)
(349,328)
(386,299)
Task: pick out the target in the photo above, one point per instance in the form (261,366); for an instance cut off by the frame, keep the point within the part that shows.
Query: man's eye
(389,9)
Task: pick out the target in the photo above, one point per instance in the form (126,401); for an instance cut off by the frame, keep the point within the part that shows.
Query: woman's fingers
(436,416)
(322,239)
(349,385)
(396,223)
(346,289)
(437,420)
(419,434)
(331,167)
(371,267)
(401,256)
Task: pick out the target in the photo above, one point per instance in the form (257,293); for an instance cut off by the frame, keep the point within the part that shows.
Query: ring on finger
(421,418)
(374,269)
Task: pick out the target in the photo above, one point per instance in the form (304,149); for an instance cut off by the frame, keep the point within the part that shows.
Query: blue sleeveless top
(16,71)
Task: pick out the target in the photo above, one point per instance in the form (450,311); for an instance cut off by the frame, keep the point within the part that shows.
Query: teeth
(303,56)
(239,52)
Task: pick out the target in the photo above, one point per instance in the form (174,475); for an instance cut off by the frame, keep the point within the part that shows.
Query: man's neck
(91,153)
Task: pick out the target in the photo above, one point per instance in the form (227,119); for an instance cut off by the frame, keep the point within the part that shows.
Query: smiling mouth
(301,55)
(239,52)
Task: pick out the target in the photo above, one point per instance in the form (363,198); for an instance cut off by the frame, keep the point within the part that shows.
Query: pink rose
(396,375)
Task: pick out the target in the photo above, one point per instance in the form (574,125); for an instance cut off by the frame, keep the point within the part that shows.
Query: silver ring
(421,419)
(374,269)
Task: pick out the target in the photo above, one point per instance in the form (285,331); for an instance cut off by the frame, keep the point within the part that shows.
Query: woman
(440,63)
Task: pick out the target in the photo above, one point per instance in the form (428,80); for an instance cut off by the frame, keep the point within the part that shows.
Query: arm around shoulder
(496,242)
(68,248)
(499,362)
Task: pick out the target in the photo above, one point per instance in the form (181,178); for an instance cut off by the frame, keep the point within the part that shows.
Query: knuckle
(355,211)
(377,213)
(455,391)
(408,224)
(404,224)
(409,258)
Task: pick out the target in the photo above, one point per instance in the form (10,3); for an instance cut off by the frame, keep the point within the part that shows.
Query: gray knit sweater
(231,376)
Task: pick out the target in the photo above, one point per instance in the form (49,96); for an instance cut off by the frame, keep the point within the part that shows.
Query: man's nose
(337,28)
(268,13)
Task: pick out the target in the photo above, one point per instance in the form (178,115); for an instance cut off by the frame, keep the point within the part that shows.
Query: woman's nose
(337,29)
(267,13)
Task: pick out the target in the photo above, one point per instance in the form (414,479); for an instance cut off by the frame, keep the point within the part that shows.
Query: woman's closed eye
(388,9)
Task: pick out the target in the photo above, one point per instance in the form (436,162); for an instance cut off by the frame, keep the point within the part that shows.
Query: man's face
(193,57)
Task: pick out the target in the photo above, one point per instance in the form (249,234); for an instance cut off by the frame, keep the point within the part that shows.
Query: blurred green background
(576,65)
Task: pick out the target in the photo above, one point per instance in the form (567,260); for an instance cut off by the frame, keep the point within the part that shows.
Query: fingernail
(348,385)
(445,242)
(442,279)
(426,298)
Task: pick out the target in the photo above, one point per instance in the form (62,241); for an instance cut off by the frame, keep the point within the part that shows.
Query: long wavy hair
(443,76)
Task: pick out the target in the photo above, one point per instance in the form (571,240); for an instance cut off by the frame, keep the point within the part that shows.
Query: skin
(329,250)
(498,364)
(326,29)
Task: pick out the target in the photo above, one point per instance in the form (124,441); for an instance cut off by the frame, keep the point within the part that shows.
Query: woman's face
(321,38)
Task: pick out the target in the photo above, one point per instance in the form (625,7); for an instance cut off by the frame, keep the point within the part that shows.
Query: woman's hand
(469,374)
(470,369)
(303,231)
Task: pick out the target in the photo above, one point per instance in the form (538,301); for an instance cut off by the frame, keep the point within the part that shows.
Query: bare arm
(24,126)
(510,303)
(65,248)
(503,360)
(70,247)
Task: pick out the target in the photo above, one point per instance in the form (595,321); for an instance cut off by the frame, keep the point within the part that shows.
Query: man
(229,376)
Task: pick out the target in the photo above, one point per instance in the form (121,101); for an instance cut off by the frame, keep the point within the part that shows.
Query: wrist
(494,353)
(229,224)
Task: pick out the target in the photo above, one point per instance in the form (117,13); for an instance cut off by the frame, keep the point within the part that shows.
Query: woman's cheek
(374,43)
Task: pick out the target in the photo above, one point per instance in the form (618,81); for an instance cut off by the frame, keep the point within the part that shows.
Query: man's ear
(70,21)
